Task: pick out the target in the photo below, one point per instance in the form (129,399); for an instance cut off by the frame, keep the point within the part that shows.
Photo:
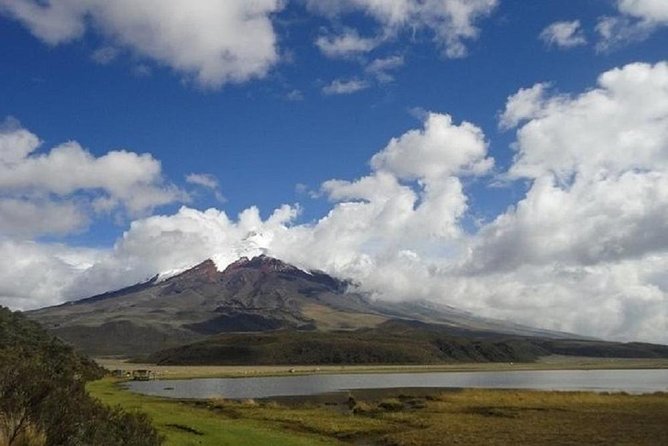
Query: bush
(43,400)
(391,405)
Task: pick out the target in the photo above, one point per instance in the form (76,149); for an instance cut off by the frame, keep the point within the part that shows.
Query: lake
(631,381)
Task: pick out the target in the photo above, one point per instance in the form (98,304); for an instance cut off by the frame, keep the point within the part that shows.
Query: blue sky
(271,124)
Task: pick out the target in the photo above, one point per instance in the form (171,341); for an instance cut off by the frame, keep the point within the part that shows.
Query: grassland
(546,363)
(408,417)
(188,424)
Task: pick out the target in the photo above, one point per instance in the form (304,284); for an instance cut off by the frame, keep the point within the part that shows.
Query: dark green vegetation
(257,295)
(392,342)
(409,417)
(43,400)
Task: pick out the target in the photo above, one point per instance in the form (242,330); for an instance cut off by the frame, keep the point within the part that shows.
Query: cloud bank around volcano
(584,250)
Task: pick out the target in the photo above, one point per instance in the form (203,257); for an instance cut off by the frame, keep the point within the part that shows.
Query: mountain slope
(392,342)
(250,295)
(381,345)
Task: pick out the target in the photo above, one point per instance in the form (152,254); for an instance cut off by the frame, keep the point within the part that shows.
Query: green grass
(409,418)
(475,417)
(185,424)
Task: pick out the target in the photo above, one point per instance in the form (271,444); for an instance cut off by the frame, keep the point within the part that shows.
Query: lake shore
(546,363)
(405,417)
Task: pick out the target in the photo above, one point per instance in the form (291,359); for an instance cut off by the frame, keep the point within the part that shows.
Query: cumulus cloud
(593,222)
(451,22)
(26,218)
(523,105)
(37,274)
(372,218)
(655,11)
(584,250)
(51,192)
(438,150)
(345,86)
(636,21)
(211,41)
(168,244)
(563,34)
(620,125)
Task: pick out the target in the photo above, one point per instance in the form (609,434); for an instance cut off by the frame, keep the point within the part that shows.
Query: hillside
(261,294)
(42,395)
(393,342)
(383,345)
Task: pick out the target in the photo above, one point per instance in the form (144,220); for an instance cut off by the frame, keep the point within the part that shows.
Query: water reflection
(631,381)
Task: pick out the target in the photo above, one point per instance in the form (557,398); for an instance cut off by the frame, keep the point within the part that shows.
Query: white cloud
(203,179)
(563,34)
(54,22)
(294,95)
(452,22)
(36,274)
(589,239)
(370,218)
(105,55)
(595,220)
(584,250)
(655,11)
(523,105)
(347,86)
(212,41)
(207,181)
(439,150)
(348,43)
(618,126)
(636,21)
(380,68)
(26,218)
(16,143)
(616,32)
(49,192)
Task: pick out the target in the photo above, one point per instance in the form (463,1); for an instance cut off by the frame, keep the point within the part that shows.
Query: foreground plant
(43,400)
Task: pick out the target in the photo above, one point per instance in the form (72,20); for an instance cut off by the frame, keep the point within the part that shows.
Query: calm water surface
(632,381)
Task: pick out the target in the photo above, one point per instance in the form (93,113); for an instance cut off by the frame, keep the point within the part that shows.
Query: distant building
(120,373)
(142,375)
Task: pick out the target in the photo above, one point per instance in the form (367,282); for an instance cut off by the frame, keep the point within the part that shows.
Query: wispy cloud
(636,21)
(564,34)
(345,86)
(207,181)
(381,68)
(346,44)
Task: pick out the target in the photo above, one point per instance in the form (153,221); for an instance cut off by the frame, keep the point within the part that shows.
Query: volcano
(257,294)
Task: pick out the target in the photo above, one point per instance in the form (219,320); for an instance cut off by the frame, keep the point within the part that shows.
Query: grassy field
(186,424)
(408,417)
(547,363)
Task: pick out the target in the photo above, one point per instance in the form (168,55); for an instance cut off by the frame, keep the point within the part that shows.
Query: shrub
(43,400)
